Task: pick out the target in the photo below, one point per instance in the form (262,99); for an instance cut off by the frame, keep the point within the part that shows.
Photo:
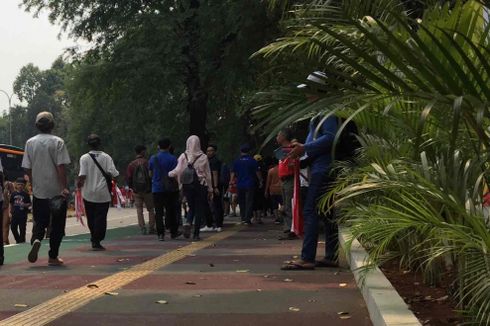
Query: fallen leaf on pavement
(288,280)
(197,295)
(162,302)
(93,286)
(211,265)
(342,313)
(111,293)
(21,305)
(345,317)
(190,283)
(342,285)
(259,290)
(243,271)
(294,309)
(442,298)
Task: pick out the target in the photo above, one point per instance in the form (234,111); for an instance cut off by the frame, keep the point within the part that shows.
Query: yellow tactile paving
(73,300)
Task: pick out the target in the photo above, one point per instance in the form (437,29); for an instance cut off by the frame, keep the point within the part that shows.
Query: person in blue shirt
(248,176)
(318,149)
(165,190)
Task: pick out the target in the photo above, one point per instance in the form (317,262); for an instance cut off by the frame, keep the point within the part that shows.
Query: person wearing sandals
(318,148)
(45,160)
(194,174)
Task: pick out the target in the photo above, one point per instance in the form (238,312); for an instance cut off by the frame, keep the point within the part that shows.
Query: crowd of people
(183,195)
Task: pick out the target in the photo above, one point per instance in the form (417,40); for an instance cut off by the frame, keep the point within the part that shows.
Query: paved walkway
(230,278)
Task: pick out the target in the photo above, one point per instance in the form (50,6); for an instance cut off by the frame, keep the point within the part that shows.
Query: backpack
(141,179)
(348,144)
(189,175)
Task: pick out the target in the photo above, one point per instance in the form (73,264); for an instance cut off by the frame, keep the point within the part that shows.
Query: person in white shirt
(45,159)
(96,172)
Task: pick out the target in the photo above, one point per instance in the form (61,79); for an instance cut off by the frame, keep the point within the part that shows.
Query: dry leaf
(288,280)
(211,265)
(197,296)
(191,255)
(342,285)
(21,305)
(294,309)
(243,271)
(259,290)
(442,298)
(311,300)
(111,293)
(236,260)
(162,302)
(345,317)
(342,313)
(190,283)
(93,286)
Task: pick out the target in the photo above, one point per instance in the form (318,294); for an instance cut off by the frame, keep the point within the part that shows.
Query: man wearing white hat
(45,160)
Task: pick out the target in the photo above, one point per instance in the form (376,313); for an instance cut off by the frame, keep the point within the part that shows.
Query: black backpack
(141,179)
(189,175)
(348,145)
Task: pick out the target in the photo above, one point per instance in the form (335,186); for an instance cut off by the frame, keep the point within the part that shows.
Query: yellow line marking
(75,299)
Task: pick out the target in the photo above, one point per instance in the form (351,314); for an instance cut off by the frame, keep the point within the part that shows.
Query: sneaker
(187,231)
(161,237)
(218,229)
(176,235)
(55,261)
(206,229)
(289,236)
(143,231)
(97,247)
(32,257)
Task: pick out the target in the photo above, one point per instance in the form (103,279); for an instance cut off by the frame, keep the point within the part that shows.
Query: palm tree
(416,191)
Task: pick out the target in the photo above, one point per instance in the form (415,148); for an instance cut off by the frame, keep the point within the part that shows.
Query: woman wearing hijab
(194,175)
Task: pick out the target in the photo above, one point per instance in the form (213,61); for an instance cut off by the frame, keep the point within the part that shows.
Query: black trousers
(166,203)
(1,232)
(18,227)
(246,203)
(43,219)
(215,213)
(197,200)
(96,220)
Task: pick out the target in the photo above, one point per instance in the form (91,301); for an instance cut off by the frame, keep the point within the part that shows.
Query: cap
(45,117)
(245,148)
(20,180)
(258,157)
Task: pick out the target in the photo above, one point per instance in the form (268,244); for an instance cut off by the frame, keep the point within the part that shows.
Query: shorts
(276,200)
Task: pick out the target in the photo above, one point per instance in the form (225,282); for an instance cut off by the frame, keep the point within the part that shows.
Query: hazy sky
(23,40)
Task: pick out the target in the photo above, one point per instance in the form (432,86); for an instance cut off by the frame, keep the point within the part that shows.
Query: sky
(25,39)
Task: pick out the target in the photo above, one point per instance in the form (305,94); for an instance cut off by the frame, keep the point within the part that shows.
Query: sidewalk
(230,278)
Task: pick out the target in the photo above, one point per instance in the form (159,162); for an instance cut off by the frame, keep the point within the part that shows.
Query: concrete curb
(385,306)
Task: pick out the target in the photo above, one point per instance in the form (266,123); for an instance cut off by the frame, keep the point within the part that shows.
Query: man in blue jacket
(318,149)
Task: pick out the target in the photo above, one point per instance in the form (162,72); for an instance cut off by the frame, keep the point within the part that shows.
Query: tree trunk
(197,96)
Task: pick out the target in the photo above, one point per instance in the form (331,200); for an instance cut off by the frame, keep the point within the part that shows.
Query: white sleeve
(26,161)
(83,166)
(62,156)
(111,167)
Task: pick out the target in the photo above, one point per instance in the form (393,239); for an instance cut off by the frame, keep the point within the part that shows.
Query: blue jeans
(318,186)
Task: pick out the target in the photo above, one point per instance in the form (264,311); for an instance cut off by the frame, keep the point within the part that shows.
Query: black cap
(21,180)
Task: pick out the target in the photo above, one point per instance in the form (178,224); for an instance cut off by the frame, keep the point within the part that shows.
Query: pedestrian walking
(214,218)
(194,174)
(273,191)
(6,213)
(248,178)
(45,159)
(95,179)
(165,191)
(139,181)
(20,203)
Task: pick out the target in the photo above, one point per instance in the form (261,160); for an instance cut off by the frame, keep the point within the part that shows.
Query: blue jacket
(319,148)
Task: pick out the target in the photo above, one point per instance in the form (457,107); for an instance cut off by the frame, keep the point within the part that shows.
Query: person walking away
(233,194)
(273,191)
(45,159)
(259,199)
(1,224)
(6,214)
(286,173)
(95,178)
(247,173)
(139,181)
(194,174)
(165,190)
(217,203)
(20,203)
